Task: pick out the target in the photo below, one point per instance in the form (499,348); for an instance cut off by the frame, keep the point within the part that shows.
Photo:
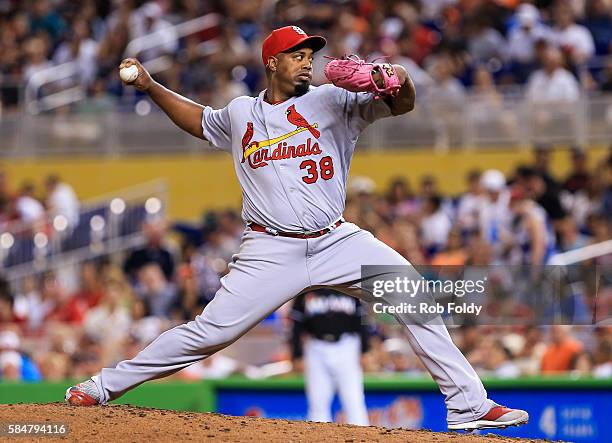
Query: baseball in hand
(129,74)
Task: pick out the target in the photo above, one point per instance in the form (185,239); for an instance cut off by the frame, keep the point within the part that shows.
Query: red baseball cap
(288,37)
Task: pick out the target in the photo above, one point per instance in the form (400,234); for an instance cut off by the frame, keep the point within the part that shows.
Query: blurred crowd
(520,219)
(52,331)
(555,47)
(30,209)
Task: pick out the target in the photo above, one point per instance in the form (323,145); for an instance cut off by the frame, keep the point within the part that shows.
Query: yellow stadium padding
(207,181)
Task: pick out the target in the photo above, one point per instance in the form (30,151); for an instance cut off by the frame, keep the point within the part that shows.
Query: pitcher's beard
(301,88)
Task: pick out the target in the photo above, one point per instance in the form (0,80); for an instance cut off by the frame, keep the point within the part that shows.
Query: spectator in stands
(28,208)
(10,366)
(54,366)
(434,225)
(404,50)
(148,21)
(14,363)
(535,186)
(90,287)
(114,40)
(553,83)
(574,40)
(530,355)
(523,38)
(7,313)
(603,359)
(227,88)
(88,357)
(533,239)
(485,43)
(158,294)
(200,268)
(81,49)
(62,200)
(447,89)
(219,246)
(494,212)
(405,235)
(582,365)
(588,201)
(190,300)
(58,303)
(569,236)
(541,164)
(154,231)
(600,228)
(401,198)
(454,253)
(46,19)
(479,252)
(28,305)
(230,223)
(598,21)
(76,307)
(14,30)
(6,201)
(428,187)
(109,323)
(579,175)
(36,55)
(561,350)
(499,362)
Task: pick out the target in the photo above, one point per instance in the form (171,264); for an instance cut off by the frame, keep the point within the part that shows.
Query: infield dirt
(136,424)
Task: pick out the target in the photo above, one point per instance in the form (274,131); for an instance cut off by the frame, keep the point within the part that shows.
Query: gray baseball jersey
(292,161)
(292,158)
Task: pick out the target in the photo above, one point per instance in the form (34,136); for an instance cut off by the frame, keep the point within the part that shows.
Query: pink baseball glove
(357,75)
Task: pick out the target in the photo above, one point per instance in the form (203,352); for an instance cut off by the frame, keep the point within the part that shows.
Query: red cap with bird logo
(282,39)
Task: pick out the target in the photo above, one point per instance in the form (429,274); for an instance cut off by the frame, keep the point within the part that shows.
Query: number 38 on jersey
(324,169)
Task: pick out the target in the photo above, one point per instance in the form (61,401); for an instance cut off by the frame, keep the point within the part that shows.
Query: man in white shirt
(571,37)
(435,225)
(494,212)
(29,209)
(62,200)
(553,83)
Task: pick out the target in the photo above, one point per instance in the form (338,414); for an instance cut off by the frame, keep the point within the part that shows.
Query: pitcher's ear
(272,64)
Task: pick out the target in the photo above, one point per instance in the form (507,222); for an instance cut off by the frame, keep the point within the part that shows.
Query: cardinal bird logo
(246,138)
(296,118)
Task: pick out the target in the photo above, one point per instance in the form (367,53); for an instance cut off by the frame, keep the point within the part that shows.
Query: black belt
(259,228)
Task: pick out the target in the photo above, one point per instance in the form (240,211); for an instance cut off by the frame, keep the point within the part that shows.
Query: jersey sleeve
(216,127)
(361,108)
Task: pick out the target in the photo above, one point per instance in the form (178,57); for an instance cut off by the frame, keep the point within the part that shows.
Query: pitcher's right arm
(185,113)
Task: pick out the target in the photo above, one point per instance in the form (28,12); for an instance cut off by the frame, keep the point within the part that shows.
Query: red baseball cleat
(498,417)
(83,394)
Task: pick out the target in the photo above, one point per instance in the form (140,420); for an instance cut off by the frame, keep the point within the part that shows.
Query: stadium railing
(475,122)
(106,225)
(60,85)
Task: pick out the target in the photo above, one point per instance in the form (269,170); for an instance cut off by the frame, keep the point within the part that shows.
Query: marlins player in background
(329,336)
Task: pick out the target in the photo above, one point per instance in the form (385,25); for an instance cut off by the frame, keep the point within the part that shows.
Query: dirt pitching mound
(135,424)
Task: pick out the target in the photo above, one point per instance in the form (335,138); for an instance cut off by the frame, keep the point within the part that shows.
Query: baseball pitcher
(292,148)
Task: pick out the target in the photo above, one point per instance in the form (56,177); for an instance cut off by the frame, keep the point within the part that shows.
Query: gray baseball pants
(267,272)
